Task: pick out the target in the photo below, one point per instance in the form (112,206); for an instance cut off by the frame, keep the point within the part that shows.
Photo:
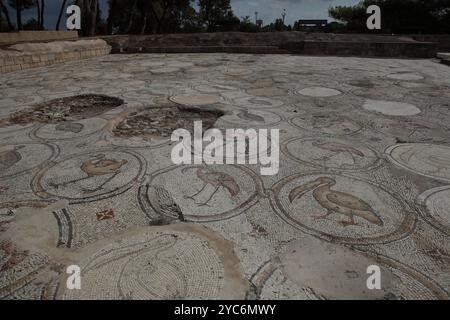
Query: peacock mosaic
(86,179)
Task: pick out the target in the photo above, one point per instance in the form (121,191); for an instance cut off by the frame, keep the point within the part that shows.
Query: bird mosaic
(10,157)
(337,202)
(97,167)
(217,180)
(13,254)
(70,127)
(336,148)
(245,115)
(164,204)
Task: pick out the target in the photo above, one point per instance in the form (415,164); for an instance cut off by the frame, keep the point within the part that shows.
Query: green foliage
(398,16)
(277,26)
(157,16)
(217,15)
(246,25)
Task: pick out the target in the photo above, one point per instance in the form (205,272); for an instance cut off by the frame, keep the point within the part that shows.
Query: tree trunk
(93,17)
(42,15)
(132,14)
(38,11)
(19,15)
(163,17)
(4,9)
(61,11)
(111,15)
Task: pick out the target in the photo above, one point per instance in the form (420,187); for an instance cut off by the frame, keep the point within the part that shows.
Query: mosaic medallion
(70,130)
(90,176)
(429,160)
(213,88)
(251,138)
(391,108)
(326,123)
(436,204)
(164,70)
(410,130)
(198,100)
(332,271)
(160,263)
(318,92)
(342,209)
(442,109)
(268,92)
(257,102)
(406,76)
(17,159)
(410,284)
(252,119)
(14,128)
(201,193)
(18,267)
(236,71)
(331,154)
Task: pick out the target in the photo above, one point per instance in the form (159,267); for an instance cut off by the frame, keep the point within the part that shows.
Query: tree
(217,14)
(151,16)
(4,11)
(398,16)
(276,26)
(40,8)
(247,25)
(61,12)
(19,6)
(90,14)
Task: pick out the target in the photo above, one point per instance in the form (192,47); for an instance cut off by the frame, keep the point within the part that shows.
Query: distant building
(311,25)
(259,23)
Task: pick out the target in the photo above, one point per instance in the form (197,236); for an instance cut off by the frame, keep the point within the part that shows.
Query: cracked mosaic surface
(364,179)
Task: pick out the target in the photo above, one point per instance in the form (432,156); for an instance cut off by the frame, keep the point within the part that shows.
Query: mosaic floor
(370,134)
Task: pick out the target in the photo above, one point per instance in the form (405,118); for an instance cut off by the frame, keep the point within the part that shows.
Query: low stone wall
(362,45)
(364,49)
(33,36)
(205,49)
(442,40)
(31,55)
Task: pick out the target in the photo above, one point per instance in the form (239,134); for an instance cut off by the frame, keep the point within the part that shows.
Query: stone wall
(30,55)
(32,36)
(363,45)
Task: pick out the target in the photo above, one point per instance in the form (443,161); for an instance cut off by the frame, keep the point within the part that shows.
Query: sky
(268,10)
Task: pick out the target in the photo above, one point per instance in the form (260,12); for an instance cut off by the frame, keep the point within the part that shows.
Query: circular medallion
(161,263)
(69,130)
(411,130)
(406,76)
(90,176)
(268,92)
(318,92)
(198,100)
(331,154)
(213,88)
(429,160)
(251,119)
(326,123)
(342,209)
(257,102)
(436,203)
(202,193)
(391,108)
(17,159)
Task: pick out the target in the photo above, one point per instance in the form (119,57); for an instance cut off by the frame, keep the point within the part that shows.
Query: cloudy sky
(268,10)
